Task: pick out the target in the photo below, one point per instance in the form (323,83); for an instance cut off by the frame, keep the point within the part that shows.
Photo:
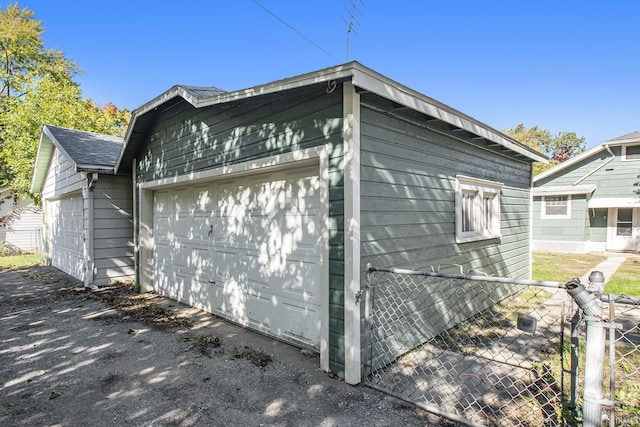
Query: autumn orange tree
(558,148)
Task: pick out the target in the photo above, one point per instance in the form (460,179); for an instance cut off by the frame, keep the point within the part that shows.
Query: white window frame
(483,198)
(543,207)
(625,156)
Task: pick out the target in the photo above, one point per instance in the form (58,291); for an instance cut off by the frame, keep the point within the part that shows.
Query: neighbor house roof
(629,138)
(89,152)
(362,77)
(564,190)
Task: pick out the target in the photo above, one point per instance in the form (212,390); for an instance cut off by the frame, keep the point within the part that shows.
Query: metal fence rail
(621,376)
(498,351)
(476,349)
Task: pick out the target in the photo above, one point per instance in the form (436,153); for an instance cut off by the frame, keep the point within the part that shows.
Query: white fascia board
(373,82)
(41,165)
(361,76)
(58,146)
(561,166)
(326,75)
(576,159)
(156,102)
(564,190)
(614,202)
(623,141)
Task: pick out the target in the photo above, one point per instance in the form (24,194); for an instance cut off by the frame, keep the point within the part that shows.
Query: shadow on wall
(248,248)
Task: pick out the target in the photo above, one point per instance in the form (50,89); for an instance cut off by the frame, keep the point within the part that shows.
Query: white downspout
(603,164)
(88,278)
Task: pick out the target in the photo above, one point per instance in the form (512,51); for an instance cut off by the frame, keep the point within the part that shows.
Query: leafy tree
(23,57)
(558,148)
(49,101)
(38,89)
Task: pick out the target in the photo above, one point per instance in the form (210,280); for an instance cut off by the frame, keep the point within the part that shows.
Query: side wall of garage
(408,211)
(113,229)
(186,140)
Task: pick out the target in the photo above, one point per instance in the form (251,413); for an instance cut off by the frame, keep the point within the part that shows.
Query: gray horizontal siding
(24,229)
(222,135)
(408,182)
(573,229)
(614,178)
(185,140)
(61,177)
(113,230)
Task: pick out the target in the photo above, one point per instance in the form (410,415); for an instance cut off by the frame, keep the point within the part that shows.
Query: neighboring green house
(590,202)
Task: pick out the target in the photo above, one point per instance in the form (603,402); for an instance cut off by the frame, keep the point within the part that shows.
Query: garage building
(88,231)
(265,205)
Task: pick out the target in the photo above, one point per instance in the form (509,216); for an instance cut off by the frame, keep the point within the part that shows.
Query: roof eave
(372,81)
(567,163)
(95,168)
(362,77)
(41,165)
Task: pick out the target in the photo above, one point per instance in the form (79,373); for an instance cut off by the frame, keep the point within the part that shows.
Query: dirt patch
(110,356)
(203,344)
(257,357)
(131,305)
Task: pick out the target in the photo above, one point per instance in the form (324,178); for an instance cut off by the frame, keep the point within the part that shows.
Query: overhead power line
(293,29)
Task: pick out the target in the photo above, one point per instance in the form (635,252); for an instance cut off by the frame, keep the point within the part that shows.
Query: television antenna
(351,20)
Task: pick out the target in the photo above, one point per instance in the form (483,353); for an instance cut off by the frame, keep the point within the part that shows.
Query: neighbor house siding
(186,140)
(113,229)
(408,211)
(567,229)
(598,225)
(613,178)
(24,228)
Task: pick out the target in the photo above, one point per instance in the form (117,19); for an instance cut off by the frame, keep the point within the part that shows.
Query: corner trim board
(351,135)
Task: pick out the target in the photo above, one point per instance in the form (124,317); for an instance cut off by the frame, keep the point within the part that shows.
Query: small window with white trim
(556,207)
(631,152)
(477,209)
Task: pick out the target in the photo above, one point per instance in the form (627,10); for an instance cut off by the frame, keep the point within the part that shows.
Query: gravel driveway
(111,357)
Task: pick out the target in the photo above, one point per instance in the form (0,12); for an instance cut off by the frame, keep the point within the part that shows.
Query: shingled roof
(89,152)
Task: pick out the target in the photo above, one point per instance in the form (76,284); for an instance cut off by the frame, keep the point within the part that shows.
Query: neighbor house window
(556,207)
(631,152)
(477,209)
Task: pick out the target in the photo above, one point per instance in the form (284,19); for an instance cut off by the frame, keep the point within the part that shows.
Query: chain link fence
(474,349)
(493,351)
(620,392)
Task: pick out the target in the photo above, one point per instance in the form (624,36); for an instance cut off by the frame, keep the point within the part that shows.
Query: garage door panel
(65,233)
(246,249)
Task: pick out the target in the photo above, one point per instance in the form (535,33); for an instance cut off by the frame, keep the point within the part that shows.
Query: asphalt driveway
(110,357)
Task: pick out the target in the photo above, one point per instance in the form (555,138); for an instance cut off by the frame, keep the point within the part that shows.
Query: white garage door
(247,249)
(65,224)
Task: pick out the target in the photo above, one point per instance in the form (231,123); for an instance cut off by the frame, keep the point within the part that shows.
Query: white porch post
(351,135)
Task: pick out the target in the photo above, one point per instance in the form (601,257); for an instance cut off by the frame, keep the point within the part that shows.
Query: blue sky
(564,65)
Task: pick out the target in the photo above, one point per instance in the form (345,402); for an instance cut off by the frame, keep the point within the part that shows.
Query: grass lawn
(24,260)
(561,267)
(626,280)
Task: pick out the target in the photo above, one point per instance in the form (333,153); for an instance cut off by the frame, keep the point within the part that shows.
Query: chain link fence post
(594,361)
